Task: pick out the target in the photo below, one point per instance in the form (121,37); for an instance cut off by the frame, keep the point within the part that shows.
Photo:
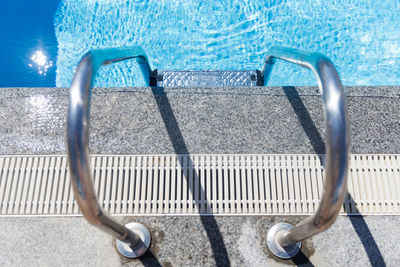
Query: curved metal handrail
(137,237)
(284,239)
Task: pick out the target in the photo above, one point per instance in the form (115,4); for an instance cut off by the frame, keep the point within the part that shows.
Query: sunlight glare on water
(40,62)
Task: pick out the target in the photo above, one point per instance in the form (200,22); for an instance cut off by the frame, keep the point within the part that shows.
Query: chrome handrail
(284,239)
(133,239)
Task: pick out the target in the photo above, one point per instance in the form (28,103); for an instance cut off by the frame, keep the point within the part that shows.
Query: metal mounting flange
(287,252)
(139,249)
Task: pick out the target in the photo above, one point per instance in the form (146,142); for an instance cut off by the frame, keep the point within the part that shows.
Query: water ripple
(361,37)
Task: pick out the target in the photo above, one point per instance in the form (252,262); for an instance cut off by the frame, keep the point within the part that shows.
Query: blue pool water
(41,44)
(26,29)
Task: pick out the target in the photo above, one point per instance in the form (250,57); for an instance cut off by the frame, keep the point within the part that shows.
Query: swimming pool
(362,38)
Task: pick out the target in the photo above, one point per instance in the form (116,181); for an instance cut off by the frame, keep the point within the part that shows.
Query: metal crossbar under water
(199,78)
(274,184)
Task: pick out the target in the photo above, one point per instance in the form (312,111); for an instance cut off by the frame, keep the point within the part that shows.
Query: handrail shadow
(371,248)
(318,144)
(149,260)
(302,260)
(178,142)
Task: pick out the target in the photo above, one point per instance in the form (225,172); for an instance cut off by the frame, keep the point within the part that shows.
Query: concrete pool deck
(198,120)
(197,241)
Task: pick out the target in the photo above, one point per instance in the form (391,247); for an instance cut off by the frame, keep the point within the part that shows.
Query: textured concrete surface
(206,120)
(197,241)
(200,120)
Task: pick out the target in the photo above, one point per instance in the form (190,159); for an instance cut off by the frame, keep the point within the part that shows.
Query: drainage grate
(198,184)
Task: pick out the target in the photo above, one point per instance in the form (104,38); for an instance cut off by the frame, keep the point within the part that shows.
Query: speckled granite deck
(206,120)
(199,120)
(197,241)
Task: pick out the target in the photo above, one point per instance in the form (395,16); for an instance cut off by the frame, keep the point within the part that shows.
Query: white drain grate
(198,184)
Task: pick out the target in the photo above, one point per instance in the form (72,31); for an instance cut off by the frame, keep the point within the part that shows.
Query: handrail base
(274,246)
(132,252)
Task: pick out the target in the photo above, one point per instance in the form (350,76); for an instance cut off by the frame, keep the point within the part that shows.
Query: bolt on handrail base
(132,252)
(287,252)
